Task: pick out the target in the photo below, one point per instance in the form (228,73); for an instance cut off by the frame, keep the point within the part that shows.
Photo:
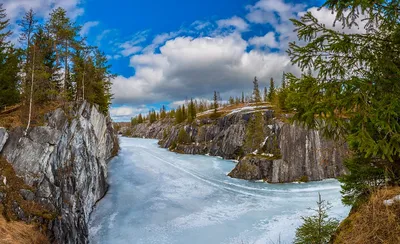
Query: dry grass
(373,222)
(14,232)
(12,191)
(17,116)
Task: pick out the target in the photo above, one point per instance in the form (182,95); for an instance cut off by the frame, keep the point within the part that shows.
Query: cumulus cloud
(268,40)
(236,22)
(125,113)
(15,8)
(195,67)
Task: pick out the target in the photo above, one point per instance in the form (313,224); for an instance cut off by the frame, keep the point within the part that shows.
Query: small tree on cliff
(256,91)
(318,228)
(215,104)
(271,93)
(254,132)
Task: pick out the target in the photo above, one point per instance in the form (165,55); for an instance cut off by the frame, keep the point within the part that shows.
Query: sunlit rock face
(293,153)
(304,155)
(66,162)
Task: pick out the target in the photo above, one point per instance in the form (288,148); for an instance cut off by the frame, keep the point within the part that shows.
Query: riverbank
(265,145)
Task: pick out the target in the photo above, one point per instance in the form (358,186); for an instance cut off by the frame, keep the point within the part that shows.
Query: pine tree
(215,104)
(356,91)
(179,115)
(254,132)
(191,111)
(9,60)
(271,92)
(319,228)
(256,91)
(265,94)
(163,112)
(140,119)
(242,97)
(283,80)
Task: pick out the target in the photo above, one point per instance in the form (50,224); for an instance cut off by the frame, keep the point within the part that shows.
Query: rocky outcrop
(304,155)
(65,161)
(288,153)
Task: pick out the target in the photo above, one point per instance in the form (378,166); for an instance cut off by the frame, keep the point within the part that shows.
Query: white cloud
(16,8)
(195,67)
(129,49)
(132,46)
(158,40)
(87,26)
(235,21)
(268,40)
(201,25)
(125,113)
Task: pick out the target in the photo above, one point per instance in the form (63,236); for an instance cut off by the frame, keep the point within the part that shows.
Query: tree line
(53,63)
(189,110)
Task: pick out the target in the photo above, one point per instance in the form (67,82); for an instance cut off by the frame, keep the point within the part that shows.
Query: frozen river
(157,196)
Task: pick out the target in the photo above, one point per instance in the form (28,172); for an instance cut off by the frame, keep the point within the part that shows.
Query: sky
(165,51)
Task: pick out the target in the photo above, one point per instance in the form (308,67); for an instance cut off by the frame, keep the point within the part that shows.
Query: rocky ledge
(289,151)
(64,163)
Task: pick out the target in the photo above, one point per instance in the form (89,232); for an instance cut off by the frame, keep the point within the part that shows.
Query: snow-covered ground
(157,196)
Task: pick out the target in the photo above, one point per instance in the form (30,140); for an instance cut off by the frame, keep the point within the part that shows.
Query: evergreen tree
(9,60)
(184,113)
(284,80)
(271,92)
(163,112)
(215,104)
(242,97)
(183,137)
(231,100)
(254,132)
(356,92)
(191,111)
(140,119)
(256,91)
(319,228)
(265,94)
(179,115)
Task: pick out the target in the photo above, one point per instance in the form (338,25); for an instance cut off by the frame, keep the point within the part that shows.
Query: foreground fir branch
(355,93)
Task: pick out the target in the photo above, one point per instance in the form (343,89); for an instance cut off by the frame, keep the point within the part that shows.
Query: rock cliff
(288,153)
(65,163)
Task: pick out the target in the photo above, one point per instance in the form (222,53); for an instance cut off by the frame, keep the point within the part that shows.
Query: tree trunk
(31,95)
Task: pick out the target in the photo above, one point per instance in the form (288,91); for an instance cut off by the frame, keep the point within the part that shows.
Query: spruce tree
(271,92)
(318,228)
(215,104)
(256,91)
(355,96)
(9,61)
(254,132)
(265,94)
(242,97)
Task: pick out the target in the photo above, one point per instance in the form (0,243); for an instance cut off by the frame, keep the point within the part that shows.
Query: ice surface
(157,196)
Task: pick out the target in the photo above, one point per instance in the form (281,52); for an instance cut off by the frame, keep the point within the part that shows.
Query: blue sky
(167,51)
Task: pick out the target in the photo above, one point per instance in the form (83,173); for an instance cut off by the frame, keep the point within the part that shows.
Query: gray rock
(66,161)
(302,153)
(27,194)
(3,137)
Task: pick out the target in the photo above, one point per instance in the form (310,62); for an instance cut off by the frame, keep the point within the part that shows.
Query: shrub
(318,228)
